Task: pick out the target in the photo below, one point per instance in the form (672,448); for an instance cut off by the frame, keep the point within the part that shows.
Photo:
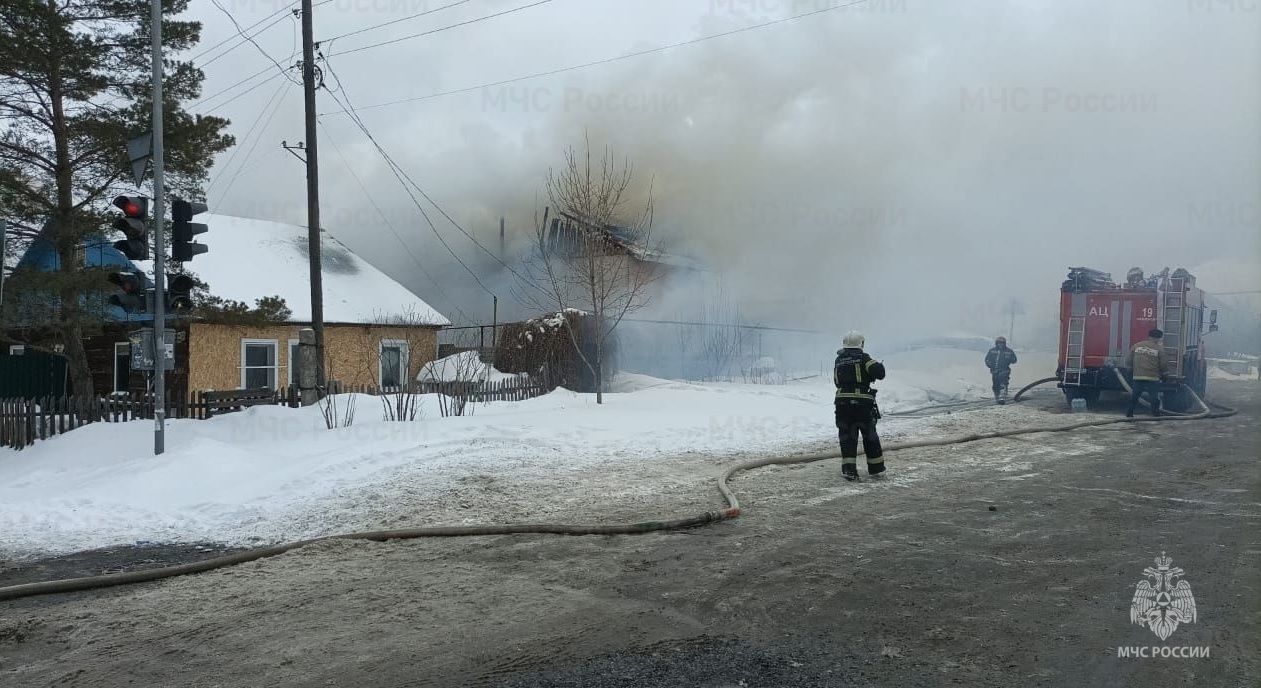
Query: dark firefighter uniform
(856,411)
(999,360)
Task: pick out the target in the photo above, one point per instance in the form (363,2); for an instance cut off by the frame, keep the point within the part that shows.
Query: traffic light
(179,294)
(132,300)
(182,232)
(134,224)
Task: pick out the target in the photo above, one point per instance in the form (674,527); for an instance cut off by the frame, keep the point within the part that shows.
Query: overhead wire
(276,98)
(388,224)
(284,90)
(616,58)
(247,91)
(241,32)
(396,21)
(400,174)
(441,28)
(248,39)
(288,7)
(395,170)
(237,148)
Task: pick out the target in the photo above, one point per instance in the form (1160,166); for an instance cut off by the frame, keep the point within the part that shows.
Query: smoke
(903,168)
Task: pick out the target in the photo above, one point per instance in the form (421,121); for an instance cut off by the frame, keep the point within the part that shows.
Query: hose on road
(732,511)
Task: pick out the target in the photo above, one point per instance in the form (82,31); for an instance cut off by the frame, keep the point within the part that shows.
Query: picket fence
(23,421)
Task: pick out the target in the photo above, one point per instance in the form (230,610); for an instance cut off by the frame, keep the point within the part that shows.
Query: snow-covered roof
(249,259)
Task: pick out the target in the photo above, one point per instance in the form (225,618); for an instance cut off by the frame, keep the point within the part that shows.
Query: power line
(386,220)
(264,82)
(286,8)
(248,38)
(610,59)
(236,149)
(395,170)
(442,28)
(260,21)
(278,102)
(396,21)
(222,91)
(241,32)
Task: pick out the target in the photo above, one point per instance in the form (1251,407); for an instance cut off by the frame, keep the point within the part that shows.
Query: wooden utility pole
(313,193)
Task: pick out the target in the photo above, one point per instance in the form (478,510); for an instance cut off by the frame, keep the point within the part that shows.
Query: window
(393,371)
(122,366)
(258,363)
(295,356)
(17,349)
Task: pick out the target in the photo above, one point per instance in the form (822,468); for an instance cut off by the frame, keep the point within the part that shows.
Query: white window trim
(126,353)
(292,365)
(404,359)
(275,343)
(17,349)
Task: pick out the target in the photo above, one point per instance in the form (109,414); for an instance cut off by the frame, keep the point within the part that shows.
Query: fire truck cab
(1100,320)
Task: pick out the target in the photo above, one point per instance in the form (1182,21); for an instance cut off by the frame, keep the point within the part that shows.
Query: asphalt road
(982,580)
(994,563)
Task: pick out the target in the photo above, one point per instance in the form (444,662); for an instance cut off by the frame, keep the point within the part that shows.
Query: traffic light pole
(159,243)
(313,194)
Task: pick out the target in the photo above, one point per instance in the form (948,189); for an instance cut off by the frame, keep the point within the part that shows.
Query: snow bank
(465,366)
(271,473)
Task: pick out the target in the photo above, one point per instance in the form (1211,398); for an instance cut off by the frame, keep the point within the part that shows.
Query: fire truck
(1100,320)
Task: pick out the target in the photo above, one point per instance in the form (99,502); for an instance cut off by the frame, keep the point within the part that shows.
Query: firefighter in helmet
(1147,363)
(999,360)
(856,410)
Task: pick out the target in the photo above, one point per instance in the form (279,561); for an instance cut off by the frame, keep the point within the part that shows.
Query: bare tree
(685,334)
(594,256)
(457,378)
(388,349)
(335,415)
(724,333)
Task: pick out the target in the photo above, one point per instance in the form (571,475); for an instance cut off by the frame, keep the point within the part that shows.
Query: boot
(874,469)
(850,471)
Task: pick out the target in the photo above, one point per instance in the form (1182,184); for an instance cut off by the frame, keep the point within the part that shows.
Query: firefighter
(999,360)
(1146,361)
(856,410)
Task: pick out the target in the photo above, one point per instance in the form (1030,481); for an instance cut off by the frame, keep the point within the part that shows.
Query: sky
(899,167)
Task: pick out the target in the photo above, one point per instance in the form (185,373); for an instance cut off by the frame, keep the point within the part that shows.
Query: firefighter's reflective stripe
(844,394)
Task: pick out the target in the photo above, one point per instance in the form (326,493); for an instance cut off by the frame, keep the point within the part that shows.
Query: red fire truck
(1100,320)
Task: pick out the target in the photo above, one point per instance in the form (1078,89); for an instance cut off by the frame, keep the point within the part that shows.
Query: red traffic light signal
(134,224)
(132,284)
(133,206)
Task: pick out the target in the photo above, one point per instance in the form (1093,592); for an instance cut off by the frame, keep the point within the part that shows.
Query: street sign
(142,349)
(139,150)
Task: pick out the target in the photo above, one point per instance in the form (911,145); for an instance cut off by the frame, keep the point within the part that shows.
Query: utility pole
(159,244)
(313,194)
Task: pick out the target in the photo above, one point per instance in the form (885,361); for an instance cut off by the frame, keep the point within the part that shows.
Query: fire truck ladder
(1073,355)
(1172,306)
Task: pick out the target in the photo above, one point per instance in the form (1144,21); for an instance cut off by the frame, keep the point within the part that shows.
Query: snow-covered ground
(270,474)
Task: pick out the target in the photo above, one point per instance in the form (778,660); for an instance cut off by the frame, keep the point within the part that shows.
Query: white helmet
(854,339)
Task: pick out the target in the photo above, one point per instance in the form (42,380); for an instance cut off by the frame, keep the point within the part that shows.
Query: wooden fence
(22,421)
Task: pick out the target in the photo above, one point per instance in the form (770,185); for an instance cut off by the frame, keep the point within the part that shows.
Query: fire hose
(732,511)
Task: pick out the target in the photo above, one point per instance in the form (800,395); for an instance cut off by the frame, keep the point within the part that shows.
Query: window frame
(405,353)
(275,366)
(291,363)
(126,355)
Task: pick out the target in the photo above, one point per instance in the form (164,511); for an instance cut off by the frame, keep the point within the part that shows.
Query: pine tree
(74,88)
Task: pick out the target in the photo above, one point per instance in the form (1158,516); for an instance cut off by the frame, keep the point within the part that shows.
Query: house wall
(352,352)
